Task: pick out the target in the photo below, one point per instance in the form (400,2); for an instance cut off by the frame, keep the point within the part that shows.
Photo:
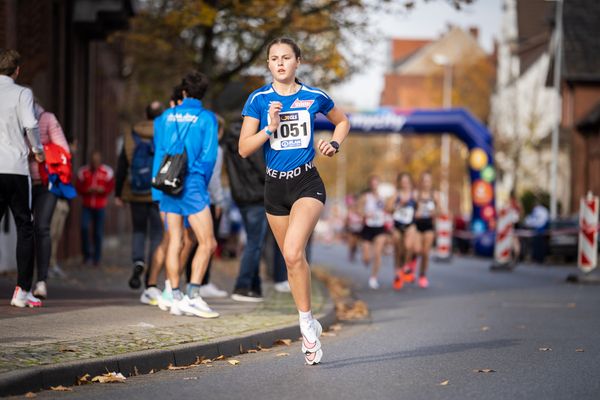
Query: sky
(427,20)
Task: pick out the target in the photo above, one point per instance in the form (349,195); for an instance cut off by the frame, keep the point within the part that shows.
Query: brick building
(580,87)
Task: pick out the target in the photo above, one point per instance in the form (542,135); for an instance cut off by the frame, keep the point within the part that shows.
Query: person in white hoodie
(17,120)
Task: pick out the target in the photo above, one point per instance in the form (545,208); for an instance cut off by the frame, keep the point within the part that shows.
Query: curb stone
(38,378)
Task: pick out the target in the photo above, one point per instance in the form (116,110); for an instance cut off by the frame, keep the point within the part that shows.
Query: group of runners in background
(405,220)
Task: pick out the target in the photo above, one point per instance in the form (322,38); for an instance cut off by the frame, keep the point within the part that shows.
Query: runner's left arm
(342,127)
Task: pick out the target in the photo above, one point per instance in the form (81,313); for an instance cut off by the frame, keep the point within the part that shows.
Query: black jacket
(246,175)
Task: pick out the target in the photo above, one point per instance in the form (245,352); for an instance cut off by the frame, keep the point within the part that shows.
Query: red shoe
(398,280)
(409,276)
(423,282)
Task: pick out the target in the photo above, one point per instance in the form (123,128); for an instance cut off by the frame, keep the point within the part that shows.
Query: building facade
(74,73)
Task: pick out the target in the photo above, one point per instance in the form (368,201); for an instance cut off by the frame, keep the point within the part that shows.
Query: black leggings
(15,194)
(44,203)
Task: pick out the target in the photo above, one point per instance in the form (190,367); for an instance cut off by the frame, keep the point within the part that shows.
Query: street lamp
(555,129)
(444,61)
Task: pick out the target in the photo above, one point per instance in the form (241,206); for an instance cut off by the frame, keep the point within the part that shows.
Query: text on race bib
(404,215)
(294,131)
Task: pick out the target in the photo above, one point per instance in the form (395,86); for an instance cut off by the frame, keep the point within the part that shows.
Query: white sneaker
(310,336)
(282,287)
(313,358)
(24,299)
(40,290)
(211,290)
(195,306)
(150,296)
(165,300)
(56,272)
(373,283)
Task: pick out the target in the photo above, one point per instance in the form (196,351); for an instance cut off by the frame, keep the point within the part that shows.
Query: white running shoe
(56,272)
(195,306)
(165,299)
(313,358)
(150,296)
(24,299)
(211,290)
(310,336)
(283,287)
(40,290)
(373,283)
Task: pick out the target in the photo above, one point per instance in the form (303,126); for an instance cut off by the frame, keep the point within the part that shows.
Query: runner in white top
(373,234)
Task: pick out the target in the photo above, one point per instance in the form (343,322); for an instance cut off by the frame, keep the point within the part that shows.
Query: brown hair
(289,42)
(9,61)
(402,175)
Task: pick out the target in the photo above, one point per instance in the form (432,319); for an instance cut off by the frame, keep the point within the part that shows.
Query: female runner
(402,206)
(427,201)
(280,117)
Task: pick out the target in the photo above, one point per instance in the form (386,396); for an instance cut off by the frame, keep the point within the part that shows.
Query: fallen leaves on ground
(282,354)
(61,388)
(151,371)
(485,328)
(251,351)
(444,383)
(346,307)
(219,358)
(328,334)
(83,380)
(110,377)
(285,342)
(545,349)
(190,378)
(484,370)
(179,368)
(579,350)
(335,327)
(30,395)
(67,350)
(264,348)
(233,362)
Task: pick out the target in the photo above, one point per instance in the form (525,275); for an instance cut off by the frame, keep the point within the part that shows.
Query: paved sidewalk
(93,315)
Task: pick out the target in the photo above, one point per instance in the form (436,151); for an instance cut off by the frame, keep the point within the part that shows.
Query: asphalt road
(539,334)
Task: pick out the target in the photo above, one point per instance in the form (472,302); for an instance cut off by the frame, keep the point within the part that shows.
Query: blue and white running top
(292,144)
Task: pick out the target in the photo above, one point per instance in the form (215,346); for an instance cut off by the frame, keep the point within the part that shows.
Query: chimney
(474,31)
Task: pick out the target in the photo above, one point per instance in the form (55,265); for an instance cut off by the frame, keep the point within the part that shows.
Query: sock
(193,290)
(305,317)
(177,295)
(149,286)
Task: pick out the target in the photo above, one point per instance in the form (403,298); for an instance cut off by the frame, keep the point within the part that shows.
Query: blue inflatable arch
(457,121)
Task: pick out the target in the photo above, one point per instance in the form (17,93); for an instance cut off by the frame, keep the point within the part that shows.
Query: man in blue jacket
(190,127)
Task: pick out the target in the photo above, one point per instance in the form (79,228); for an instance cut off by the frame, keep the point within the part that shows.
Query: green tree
(227,38)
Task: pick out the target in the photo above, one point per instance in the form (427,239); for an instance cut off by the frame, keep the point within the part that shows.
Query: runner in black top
(403,206)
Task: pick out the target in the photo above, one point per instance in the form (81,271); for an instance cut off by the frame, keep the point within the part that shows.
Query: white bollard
(588,233)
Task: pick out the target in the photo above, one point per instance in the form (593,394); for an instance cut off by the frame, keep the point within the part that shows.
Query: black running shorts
(370,232)
(402,227)
(424,224)
(283,188)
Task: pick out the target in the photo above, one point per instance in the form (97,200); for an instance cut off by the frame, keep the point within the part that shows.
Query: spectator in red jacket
(95,182)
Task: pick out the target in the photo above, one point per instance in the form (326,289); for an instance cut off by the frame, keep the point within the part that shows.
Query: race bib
(376,219)
(404,215)
(294,131)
